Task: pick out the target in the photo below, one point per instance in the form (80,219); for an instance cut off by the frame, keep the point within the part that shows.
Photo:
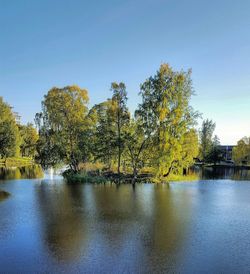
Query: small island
(3,195)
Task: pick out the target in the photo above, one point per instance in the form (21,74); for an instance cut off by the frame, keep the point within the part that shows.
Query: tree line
(160,137)
(15,139)
(241,152)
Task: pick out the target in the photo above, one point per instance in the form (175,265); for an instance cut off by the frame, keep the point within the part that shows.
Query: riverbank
(16,162)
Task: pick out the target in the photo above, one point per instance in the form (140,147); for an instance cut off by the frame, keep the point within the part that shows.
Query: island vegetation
(158,142)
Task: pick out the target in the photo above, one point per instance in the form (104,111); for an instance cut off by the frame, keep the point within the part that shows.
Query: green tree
(121,113)
(206,139)
(136,144)
(104,132)
(49,152)
(29,138)
(63,124)
(241,153)
(9,133)
(215,154)
(190,148)
(167,116)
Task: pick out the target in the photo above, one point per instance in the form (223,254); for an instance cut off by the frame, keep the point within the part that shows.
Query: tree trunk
(119,157)
(170,169)
(134,172)
(119,143)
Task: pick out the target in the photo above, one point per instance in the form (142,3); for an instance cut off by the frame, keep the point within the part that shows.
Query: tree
(119,100)
(9,133)
(167,116)
(29,138)
(104,132)
(62,124)
(206,142)
(49,152)
(215,154)
(136,142)
(241,153)
(190,148)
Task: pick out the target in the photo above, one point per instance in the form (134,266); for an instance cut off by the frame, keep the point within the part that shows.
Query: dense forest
(160,138)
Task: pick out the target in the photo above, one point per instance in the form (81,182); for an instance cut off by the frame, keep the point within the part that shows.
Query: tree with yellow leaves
(168,118)
(62,126)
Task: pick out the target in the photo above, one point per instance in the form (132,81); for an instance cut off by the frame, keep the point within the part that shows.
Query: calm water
(47,226)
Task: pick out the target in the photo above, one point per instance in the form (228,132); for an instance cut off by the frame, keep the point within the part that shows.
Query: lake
(47,226)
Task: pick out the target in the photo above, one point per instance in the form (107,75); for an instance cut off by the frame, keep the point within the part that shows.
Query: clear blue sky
(48,43)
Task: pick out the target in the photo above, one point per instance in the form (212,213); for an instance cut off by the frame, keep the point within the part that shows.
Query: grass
(183,178)
(177,178)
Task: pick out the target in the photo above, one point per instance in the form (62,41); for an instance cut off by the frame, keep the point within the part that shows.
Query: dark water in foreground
(47,226)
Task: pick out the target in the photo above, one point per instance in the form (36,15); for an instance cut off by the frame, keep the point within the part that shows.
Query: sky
(46,43)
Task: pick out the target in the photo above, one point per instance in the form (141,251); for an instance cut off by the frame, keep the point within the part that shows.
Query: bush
(82,177)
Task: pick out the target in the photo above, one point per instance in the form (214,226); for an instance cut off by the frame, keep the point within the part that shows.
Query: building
(227,152)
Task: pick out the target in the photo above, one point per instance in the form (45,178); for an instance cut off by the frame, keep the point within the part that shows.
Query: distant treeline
(159,138)
(15,139)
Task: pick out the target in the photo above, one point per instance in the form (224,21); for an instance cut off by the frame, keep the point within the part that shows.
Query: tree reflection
(150,219)
(115,209)
(167,229)
(63,223)
(226,172)
(26,172)
(145,225)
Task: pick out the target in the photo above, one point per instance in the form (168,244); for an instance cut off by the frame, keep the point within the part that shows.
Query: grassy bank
(183,178)
(16,162)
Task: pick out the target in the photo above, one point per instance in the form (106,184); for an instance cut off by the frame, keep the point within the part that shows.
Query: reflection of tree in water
(31,172)
(61,208)
(10,173)
(116,209)
(26,172)
(224,172)
(144,226)
(157,233)
(241,174)
(167,229)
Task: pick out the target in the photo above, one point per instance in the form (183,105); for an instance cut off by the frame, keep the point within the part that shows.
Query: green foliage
(167,117)
(29,138)
(62,127)
(104,133)
(121,117)
(9,133)
(82,177)
(190,148)
(137,145)
(241,153)
(159,139)
(206,139)
(215,154)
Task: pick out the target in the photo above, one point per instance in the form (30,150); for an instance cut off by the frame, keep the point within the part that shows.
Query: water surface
(47,226)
